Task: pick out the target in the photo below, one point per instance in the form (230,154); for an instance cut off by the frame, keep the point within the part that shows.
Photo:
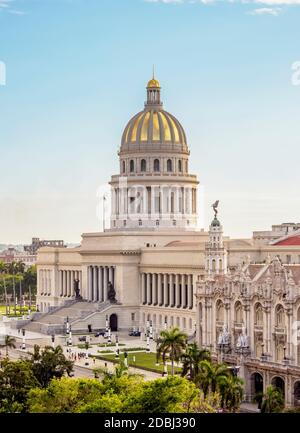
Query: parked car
(100,334)
(82,338)
(135,334)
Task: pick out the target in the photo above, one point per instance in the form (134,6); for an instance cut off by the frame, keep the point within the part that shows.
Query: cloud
(16,12)
(5,3)
(266,11)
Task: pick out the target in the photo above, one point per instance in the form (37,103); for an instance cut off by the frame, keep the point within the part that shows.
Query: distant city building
(11,254)
(38,243)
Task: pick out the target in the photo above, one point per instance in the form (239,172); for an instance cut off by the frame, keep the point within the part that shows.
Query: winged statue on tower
(215,207)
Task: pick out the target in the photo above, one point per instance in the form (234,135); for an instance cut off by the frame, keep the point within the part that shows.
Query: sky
(76,72)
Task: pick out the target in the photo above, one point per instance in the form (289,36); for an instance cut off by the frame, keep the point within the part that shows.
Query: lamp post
(117,346)
(151,330)
(23,340)
(148,343)
(53,340)
(106,324)
(70,336)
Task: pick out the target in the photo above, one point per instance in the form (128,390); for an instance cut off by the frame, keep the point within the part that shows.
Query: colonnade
(45,281)
(167,290)
(66,282)
(98,279)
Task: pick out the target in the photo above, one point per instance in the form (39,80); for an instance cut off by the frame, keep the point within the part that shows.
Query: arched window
(279,316)
(213,265)
(169,165)
(179,166)
(156,165)
(258,315)
(220,311)
(123,167)
(131,166)
(143,165)
(238,313)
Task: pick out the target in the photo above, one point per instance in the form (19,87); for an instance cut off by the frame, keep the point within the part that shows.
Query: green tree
(191,360)
(49,363)
(273,400)
(231,390)
(210,376)
(30,279)
(170,395)
(65,395)
(16,380)
(171,342)
(9,343)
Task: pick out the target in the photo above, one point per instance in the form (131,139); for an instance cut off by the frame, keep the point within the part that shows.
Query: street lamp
(117,347)
(148,343)
(23,340)
(126,359)
(106,324)
(151,330)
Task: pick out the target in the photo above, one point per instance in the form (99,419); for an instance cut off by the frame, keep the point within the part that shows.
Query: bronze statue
(215,207)
(111,293)
(77,290)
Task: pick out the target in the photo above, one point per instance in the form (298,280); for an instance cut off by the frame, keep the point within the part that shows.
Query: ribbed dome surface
(154,126)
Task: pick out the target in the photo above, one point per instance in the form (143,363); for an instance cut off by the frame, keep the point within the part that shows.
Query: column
(61,283)
(159,290)
(172,297)
(154,289)
(177,291)
(65,283)
(110,274)
(166,297)
(144,294)
(68,283)
(90,282)
(100,284)
(95,283)
(149,291)
(183,291)
(190,292)
(105,282)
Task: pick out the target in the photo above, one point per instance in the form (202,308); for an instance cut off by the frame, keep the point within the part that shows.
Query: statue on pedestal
(111,293)
(77,290)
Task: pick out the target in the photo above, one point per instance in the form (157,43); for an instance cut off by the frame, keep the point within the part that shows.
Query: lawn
(12,310)
(144,360)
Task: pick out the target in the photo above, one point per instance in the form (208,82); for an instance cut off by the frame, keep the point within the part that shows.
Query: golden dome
(154,127)
(153,83)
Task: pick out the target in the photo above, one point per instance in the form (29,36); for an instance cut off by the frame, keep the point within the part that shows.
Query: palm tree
(211,375)
(232,391)
(9,343)
(191,360)
(273,400)
(172,342)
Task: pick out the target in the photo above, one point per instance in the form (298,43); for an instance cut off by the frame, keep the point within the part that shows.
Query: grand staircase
(76,312)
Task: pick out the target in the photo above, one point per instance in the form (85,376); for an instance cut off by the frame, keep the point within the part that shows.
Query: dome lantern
(153,92)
